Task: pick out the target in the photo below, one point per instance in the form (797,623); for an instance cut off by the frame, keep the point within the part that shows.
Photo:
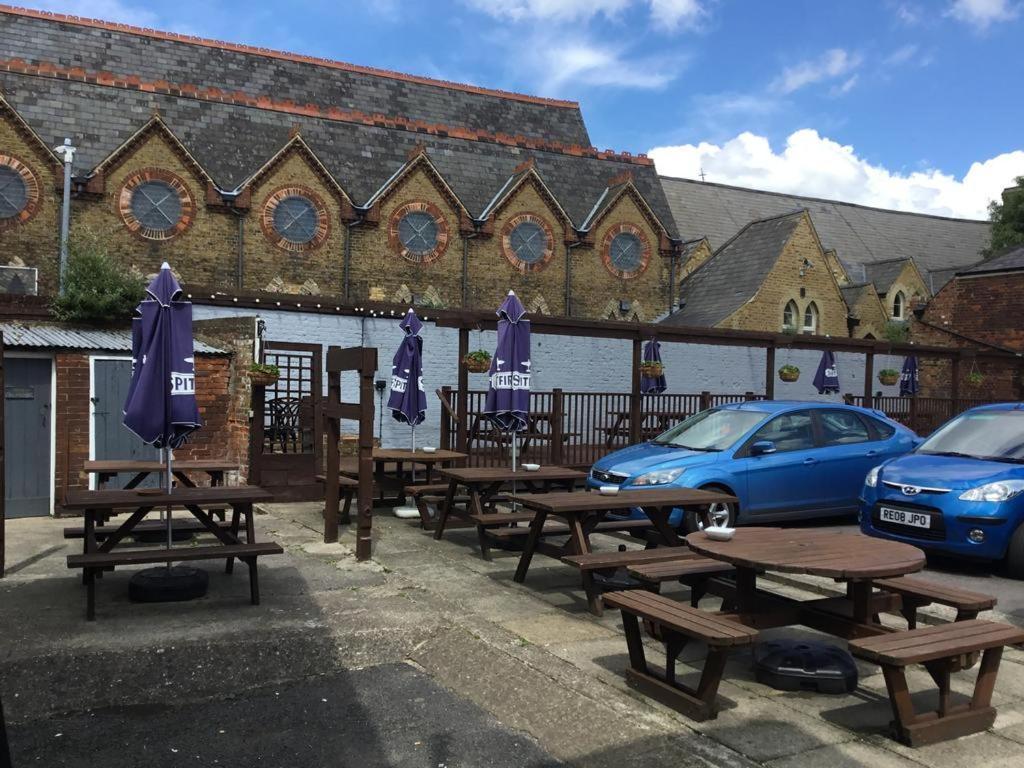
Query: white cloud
(908,13)
(832,64)
(817,166)
(670,14)
(901,55)
(981,14)
(583,62)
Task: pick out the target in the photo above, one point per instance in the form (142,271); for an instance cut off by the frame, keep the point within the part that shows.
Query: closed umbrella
(408,401)
(161,407)
(827,377)
(653,385)
(508,391)
(908,377)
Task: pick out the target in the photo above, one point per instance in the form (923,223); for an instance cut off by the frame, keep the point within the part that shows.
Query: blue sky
(914,104)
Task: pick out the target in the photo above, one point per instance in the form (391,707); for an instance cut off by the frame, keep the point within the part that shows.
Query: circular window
(526,241)
(626,251)
(418,232)
(156,204)
(19,192)
(295,219)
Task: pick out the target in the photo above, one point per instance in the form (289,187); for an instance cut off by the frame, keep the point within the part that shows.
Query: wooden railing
(921,414)
(569,428)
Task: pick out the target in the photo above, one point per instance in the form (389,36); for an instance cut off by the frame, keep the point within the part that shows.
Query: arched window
(899,306)
(789,316)
(811,318)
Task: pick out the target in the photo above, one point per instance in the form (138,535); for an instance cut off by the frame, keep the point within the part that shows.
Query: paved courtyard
(426,656)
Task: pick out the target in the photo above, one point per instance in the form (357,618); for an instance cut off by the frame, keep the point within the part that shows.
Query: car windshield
(990,435)
(713,430)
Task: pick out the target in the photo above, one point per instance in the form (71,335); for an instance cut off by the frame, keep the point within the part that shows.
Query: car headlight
(660,477)
(872,479)
(1001,491)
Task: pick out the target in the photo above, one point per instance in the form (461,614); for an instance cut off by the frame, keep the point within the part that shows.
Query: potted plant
(975,378)
(478,361)
(652,369)
(263,375)
(789,373)
(889,376)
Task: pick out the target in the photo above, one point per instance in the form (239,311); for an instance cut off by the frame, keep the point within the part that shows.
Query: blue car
(782,460)
(961,492)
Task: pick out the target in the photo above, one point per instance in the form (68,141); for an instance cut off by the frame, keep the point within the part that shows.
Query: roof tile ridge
(289,106)
(178,37)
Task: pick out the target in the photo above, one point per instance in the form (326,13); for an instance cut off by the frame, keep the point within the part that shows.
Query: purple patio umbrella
(652,385)
(408,404)
(161,407)
(508,392)
(827,377)
(908,377)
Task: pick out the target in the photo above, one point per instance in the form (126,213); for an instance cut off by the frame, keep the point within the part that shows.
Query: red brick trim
(323,219)
(606,250)
(270,53)
(123,204)
(506,242)
(239,98)
(442,232)
(32,195)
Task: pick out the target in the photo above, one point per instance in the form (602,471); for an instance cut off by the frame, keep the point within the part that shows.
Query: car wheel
(1013,565)
(722,514)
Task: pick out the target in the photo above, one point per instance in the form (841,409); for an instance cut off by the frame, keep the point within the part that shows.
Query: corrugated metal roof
(22,335)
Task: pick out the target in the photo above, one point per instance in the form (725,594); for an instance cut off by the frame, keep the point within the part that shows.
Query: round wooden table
(846,556)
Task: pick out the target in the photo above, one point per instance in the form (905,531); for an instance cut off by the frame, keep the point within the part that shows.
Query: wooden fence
(921,414)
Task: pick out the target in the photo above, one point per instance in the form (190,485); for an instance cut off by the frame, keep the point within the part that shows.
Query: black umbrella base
(168,585)
(805,665)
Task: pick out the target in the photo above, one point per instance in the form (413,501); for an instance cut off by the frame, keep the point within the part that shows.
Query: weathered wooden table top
(597,502)
(117,498)
(499,474)
(151,465)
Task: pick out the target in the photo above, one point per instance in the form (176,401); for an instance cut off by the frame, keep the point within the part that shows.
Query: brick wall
(72,422)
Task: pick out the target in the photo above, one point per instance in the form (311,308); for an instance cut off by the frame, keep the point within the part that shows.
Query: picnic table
(107,469)
(620,427)
(100,546)
(399,458)
(484,485)
(584,512)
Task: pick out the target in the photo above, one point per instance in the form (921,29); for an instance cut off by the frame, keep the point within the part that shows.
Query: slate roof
(859,234)
(1010,260)
(152,57)
(882,273)
(26,335)
(851,293)
(731,277)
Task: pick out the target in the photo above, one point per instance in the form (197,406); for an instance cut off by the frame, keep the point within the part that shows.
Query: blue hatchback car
(961,492)
(781,460)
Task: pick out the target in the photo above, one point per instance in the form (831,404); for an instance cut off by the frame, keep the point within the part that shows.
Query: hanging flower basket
(263,375)
(975,378)
(651,369)
(789,373)
(888,376)
(477,362)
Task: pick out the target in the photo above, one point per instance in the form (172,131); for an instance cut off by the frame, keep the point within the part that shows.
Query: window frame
(645,250)
(510,253)
(185,199)
(269,208)
(791,304)
(33,198)
(744,452)
(812,308)
(899,300)
(819,414)
(395,240)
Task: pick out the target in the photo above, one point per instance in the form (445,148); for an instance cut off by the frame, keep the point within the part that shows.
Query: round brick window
(626,251)
(295,219)
(19,192)
(155,204)
(418,232)
(527,242)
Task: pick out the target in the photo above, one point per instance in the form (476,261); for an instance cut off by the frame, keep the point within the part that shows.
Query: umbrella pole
(515,435)
(167,453)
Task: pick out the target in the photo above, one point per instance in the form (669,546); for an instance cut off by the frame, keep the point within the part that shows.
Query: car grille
(609,478)
(915,489)
(937,532)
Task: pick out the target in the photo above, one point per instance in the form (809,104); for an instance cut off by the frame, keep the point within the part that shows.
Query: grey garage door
(27,425)
(112,440)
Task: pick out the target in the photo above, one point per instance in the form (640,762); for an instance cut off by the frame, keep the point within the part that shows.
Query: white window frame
(899,300)
(812,309)
(796,316)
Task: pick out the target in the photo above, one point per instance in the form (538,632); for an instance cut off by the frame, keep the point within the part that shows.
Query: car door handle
(809,461)
(871,453)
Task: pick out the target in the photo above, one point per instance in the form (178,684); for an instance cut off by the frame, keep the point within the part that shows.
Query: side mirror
(762,448)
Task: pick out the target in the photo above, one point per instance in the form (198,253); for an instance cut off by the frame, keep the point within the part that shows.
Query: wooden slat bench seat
(93,562)
(917,593)
(940,649)
(690,569)
(347,486)
(149,526)
(679,624)
(498,526)
(598,561)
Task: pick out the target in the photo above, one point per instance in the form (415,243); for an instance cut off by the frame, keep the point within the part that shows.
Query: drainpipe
(465,262)
(347,257)
(240,265)
(568,275)
(67,151)
(672,281)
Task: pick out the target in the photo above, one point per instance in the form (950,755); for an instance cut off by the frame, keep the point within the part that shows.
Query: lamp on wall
(806,265)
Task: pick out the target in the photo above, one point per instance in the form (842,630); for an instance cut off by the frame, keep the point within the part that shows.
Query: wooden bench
(941,650)
(495,526)
(679,624)
(917,593)
(149,526)
(434,493)
(347,486)
(610,561)
(97,561)
(689,568)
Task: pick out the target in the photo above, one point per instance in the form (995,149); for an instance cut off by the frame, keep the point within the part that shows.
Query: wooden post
(332,500)
(364,534)
(705,400)
(446,419)
(462,428)
(257,405)
(557,425)
(634,398)
(769,372)
(869,377)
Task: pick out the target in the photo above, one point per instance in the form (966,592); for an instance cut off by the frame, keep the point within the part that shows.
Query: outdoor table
(484,483)
(583,511)
(98,505)
(402,456)
(621,425)
(851,557)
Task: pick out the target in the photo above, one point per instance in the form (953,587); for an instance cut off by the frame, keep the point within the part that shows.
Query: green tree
(1007,217)
(97,291)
